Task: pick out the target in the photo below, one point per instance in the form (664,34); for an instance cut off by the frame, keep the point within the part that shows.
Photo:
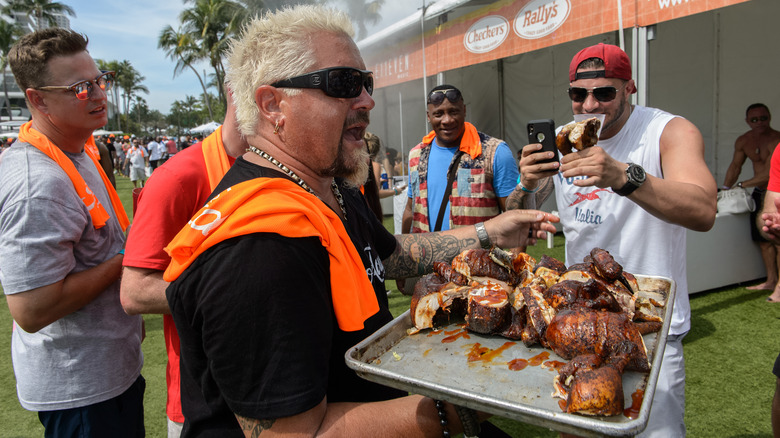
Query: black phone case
(543,131)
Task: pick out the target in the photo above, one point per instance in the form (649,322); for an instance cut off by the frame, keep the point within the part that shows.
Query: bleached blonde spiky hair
(273,47)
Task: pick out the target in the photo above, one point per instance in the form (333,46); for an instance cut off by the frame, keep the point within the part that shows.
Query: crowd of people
(260,248)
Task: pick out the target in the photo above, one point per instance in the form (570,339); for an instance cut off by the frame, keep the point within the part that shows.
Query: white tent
(208,128)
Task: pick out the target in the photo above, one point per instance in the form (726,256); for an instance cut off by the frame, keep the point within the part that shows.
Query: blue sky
(121,29)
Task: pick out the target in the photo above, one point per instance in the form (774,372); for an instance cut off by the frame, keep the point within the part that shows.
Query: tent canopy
(206,128)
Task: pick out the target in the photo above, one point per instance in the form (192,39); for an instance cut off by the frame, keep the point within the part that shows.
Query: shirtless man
(758,145)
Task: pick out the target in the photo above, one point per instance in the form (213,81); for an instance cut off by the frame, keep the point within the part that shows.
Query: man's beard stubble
(353,168)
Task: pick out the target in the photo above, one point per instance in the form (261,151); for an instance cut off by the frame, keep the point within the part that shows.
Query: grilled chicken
(488,310)
(584,331)
(592,313)
(594,386)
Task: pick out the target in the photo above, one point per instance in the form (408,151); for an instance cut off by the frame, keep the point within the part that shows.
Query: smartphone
(543,131)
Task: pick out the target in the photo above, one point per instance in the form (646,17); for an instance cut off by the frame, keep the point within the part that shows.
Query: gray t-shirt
(46,233)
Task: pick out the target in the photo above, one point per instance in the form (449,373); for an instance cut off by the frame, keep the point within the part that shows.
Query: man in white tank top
(633,194)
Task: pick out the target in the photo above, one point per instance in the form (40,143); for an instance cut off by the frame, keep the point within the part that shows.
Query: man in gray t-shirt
(76,354)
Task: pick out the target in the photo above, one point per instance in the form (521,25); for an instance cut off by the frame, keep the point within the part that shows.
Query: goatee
(354,166)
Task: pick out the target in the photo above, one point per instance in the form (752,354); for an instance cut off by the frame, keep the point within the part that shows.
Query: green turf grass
(729,356)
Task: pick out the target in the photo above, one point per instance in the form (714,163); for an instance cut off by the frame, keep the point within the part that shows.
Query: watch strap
(630,185)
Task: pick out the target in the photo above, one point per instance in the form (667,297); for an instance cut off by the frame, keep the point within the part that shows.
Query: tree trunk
(7,101)
(116,109)
(205,92)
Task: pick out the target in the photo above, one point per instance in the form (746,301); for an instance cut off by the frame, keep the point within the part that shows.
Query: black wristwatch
(636,176)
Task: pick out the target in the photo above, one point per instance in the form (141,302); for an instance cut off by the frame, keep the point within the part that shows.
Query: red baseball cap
(616,62)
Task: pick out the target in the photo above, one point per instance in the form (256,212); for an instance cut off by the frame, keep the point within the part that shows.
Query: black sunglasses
(756,119)
(340,82)
(436,97)
(83,89)
(602,94)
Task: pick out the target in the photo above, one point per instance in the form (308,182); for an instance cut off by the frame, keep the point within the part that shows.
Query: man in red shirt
(179,188)
(170,145)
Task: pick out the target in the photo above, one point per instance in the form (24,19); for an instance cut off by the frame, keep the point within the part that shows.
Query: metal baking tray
(435,363)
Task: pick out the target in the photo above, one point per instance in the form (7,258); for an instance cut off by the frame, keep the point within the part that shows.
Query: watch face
(636,173)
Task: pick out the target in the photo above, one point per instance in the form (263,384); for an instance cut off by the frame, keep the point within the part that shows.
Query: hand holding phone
(543,131)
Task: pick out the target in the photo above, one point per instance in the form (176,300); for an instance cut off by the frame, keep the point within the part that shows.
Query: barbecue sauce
(454,337)
(478,352)
(517,364)
(539,358)
(636,404)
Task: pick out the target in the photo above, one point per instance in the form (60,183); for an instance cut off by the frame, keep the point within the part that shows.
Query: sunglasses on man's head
(602,94)
(437,96)
(340,82)
(83,89)
(756,119)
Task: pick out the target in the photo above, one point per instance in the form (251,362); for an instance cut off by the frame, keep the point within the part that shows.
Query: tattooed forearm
(521,199)
(415,253)
(252,426)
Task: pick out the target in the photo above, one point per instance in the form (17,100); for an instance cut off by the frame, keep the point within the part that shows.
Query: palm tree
(211,23)
(181,47)
(256,7)
(8,35)
(364,12)
(130,81)
(114,97)
(40,11)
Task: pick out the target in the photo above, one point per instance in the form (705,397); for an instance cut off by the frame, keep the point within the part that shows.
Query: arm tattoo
(531,201)
(415,253)
(255,427)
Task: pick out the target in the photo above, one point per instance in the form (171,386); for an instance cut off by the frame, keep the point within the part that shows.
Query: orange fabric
(215,157)
(92,147)
(133,149)
(278,205)
(96,210)
(469,143)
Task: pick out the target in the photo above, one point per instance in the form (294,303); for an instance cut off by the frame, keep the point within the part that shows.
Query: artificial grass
(729,356)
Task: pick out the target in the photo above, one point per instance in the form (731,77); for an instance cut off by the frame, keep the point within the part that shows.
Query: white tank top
(592,217)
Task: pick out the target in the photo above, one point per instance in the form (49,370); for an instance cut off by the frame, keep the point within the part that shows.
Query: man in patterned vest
(472,170)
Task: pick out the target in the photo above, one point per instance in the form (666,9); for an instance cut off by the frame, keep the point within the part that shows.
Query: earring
(276,129)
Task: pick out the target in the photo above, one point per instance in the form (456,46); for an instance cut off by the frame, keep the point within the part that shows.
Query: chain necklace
(333,186)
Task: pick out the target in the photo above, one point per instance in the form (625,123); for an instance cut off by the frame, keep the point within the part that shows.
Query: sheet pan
(435,363)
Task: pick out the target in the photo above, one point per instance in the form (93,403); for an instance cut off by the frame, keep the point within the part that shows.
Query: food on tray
(593,385)
(578,135)
(592,313)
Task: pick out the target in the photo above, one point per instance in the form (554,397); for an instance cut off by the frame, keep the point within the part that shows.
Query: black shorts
(758,197)
(121,416)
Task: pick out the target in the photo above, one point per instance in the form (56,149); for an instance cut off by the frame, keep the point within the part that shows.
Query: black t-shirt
(256,323)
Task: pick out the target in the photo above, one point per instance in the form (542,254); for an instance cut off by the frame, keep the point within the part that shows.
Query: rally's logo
(592,196)
(540,18)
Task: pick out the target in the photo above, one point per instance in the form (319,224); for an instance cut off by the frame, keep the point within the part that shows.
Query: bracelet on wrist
(442,411)
(527,190)
(524,188)
(482,235)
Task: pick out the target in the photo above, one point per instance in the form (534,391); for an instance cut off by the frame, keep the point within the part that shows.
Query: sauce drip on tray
(636,404)
(484,354)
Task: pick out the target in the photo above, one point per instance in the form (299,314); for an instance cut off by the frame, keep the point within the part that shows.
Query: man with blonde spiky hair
(283,269)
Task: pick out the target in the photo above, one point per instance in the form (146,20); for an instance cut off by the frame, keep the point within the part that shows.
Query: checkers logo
(540,18)
(486,34)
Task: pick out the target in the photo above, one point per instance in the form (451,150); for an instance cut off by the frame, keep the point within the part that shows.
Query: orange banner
(507,28)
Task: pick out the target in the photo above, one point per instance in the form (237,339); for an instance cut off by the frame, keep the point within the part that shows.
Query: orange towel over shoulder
(277,205)
(96,210)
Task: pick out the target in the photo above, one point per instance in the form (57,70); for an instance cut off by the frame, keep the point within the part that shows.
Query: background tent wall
(706,67)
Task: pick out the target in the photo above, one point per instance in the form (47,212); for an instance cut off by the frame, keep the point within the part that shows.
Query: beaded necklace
(333,186)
